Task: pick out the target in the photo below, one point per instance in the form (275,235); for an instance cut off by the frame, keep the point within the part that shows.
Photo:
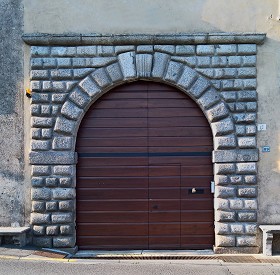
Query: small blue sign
(266,149)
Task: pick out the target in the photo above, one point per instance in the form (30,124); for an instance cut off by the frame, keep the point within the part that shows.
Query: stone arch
(160,68)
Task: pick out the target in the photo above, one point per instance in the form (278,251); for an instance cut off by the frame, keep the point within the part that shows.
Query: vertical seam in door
(148,149)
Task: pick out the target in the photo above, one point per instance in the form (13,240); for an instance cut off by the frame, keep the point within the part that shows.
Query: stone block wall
(220,77)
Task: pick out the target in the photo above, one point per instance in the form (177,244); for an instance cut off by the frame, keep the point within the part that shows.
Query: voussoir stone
(89,86)
(199,87)
(71,110)
(144,65)
(209,98)
(187,78)
(217,112)
(115,72)
(101,77)
(79,98)
(127,64)
(159,64)
(174,71)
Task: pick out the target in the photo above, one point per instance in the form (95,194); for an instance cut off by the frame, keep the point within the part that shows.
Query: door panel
(144,148)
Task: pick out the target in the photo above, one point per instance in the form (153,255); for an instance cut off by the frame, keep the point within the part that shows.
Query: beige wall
(162,16)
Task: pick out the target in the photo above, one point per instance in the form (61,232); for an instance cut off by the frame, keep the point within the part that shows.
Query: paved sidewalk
(30,253)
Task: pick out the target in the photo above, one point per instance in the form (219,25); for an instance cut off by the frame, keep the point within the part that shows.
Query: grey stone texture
(219,77)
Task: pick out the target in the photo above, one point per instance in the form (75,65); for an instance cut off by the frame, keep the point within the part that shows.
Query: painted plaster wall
(144,16)
(12,184)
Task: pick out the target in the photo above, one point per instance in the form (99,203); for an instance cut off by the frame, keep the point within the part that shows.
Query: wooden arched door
(144,171)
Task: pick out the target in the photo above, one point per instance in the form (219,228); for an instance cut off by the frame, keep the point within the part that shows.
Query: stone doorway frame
(218,71)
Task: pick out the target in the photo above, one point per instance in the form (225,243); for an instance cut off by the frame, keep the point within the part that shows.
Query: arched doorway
(144,171)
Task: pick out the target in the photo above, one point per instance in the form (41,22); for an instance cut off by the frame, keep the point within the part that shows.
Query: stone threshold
(76,39)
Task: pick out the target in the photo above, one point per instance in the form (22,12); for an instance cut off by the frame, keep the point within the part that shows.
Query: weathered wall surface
(126,16)
(12,187)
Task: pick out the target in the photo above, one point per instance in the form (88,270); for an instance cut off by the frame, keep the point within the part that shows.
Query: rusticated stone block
(41,170)
(240,130)
(247,142)
(51,206)
(62,143)
(41,122)
(36,133)
(58,98)
(81,73)
(223,127)
(222,228)
(185,50)
(236,204)
(221,204)
(51,182)
(105,50)
(47,133)
(246,241)
(64,125)
(39,75)
(247,192)
(40,145)
(144,65)
(145,49)
(87,51)
(225,216)
(63,170)
(65,182)
(127,64)
(225,168)
(224,192)
(39,51)
(64,242)
(38,206)
(40,98)
(251,130)
(221,180)
(174,71)
(250,204)
(217,112)
(52,230)
(63,193)
(247,96)
(170,49)
(222,241)
(66,205)
(61,74)
(250,179)
(38,218)
(219,61)
(236,179)
(249,61)
(247,216)
(234,61)
(66,229)
(159,64)
(190,61)
(65,62)
(62,218)
(39,230)
(251,229)
(101,77)
(71,110)
(52,158)
(42,241)
(205,49)
(250,84)
(247,168)
(37,182)
(229,96)
(40,194)
(227,49)
(63,51)
(79,98)
(237,228)
(247,49)
(203,61)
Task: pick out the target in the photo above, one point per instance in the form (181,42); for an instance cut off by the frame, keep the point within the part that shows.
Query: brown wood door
(144,171)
